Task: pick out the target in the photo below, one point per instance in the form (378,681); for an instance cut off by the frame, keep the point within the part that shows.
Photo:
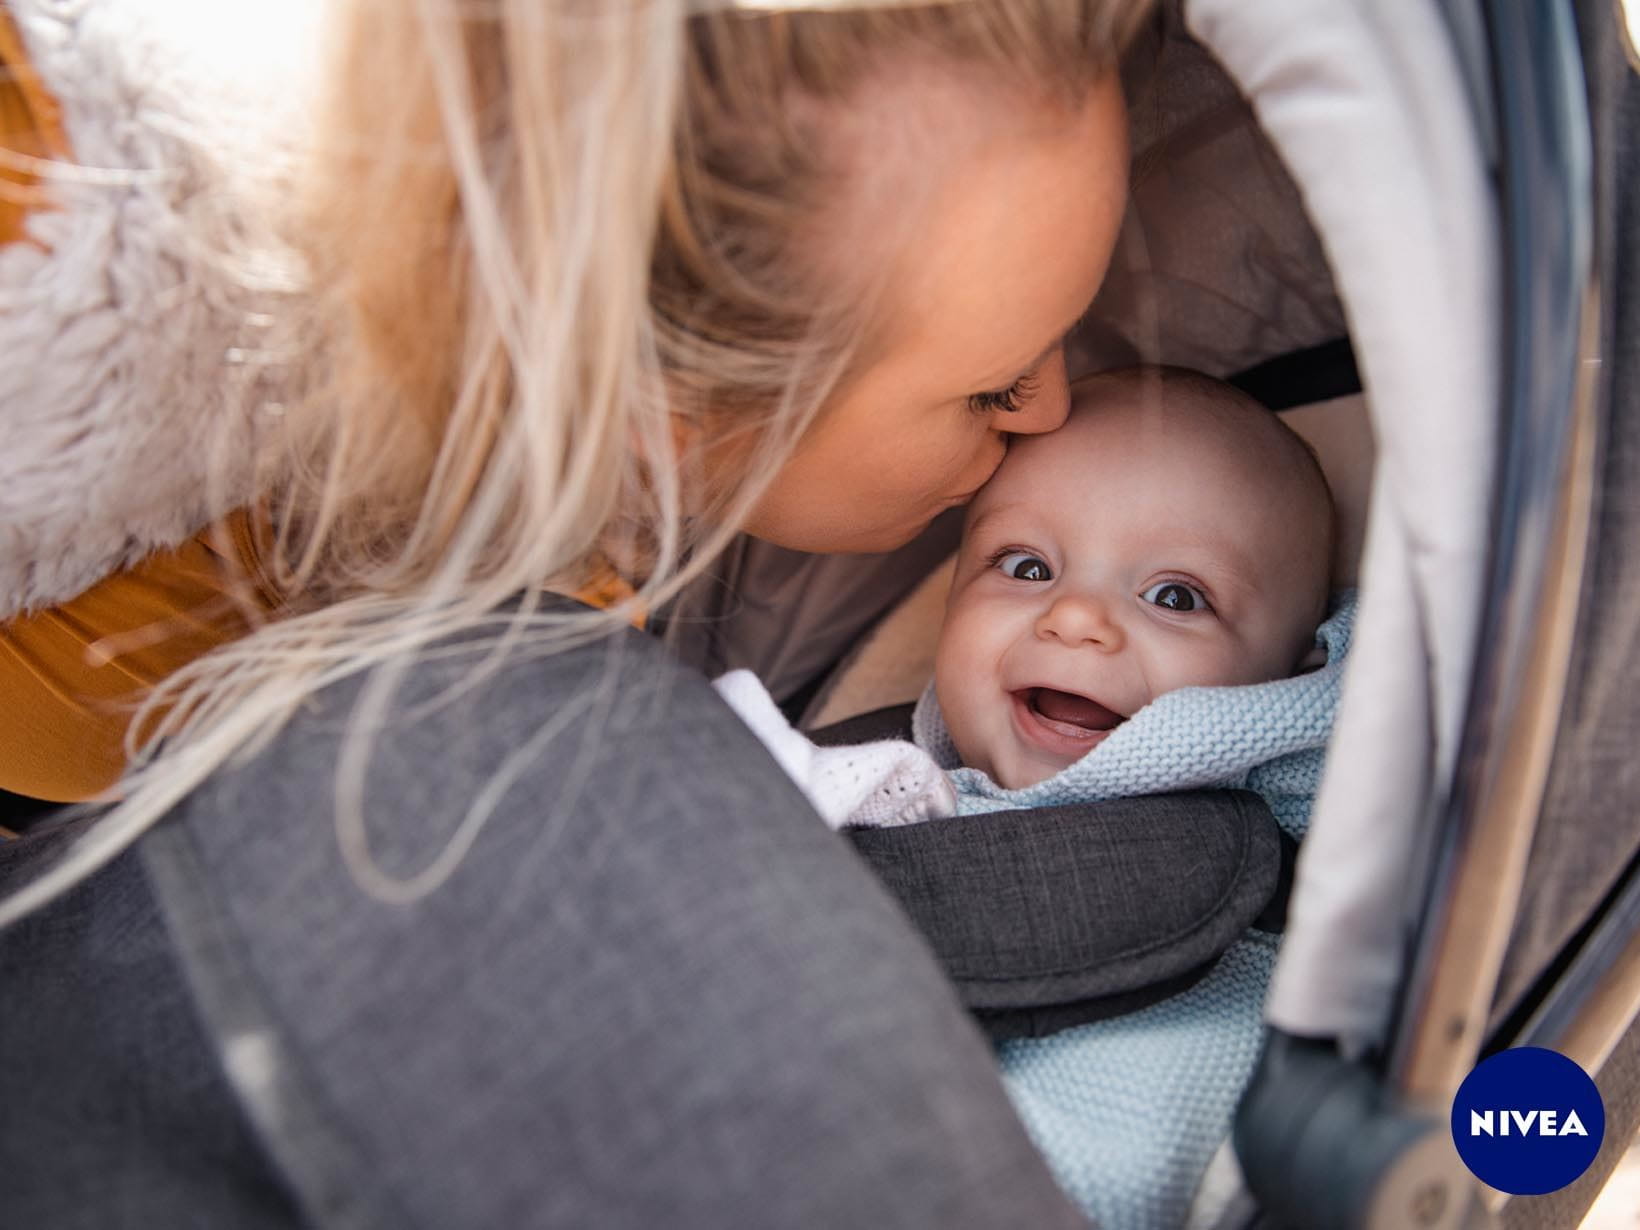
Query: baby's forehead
(1182,419)
(1221,475)
(1112,436)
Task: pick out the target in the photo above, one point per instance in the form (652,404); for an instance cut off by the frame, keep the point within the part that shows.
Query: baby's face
(1128,554)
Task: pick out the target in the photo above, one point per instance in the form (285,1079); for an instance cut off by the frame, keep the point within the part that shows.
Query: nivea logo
(1528,1121)
(1542,1122)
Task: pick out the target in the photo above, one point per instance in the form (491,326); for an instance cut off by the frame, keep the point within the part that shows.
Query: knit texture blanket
(1129,1111)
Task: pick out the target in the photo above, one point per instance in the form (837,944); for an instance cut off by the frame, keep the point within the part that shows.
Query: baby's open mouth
(1073,714)
(1064,724)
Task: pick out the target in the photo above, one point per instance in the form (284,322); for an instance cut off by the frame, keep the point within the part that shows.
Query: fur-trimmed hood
(138,372)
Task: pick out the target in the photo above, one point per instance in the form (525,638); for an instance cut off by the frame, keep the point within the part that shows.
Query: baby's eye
(1023,566)
(1176,596)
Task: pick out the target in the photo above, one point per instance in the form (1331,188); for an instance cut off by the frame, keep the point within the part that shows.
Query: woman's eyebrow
(1042,357)
(1014,374)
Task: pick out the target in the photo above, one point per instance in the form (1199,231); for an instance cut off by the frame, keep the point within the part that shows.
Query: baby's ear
(1312,661)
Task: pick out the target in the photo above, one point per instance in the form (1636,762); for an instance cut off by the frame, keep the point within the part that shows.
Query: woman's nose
(1048,404)
(1082,619)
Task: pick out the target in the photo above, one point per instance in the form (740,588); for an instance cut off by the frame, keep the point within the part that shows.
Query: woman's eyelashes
(1009,400)
(1176,596)
(1021,565)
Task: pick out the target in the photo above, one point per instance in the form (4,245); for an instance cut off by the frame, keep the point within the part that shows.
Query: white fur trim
(135,385)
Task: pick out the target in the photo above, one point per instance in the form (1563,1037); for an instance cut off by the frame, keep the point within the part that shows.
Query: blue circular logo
(1528,1121)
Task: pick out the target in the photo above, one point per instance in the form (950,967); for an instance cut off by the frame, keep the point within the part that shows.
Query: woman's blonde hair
(557,246)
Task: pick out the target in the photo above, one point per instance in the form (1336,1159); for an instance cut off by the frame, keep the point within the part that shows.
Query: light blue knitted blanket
(1129,1111)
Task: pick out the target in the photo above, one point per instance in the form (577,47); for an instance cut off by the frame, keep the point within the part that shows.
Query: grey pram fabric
(656,991)
(1217,266)
(1587,833)
(113,1107)
(1051,917)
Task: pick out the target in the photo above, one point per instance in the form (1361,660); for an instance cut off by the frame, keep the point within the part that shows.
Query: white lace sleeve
(865,785)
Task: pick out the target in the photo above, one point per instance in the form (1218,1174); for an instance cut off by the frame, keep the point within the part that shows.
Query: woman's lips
(1067,740)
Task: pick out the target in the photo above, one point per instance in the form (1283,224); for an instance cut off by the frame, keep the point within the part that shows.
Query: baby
(1140,605)
(1173,533)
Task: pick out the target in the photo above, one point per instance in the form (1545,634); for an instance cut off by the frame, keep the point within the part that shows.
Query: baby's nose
(1082,619)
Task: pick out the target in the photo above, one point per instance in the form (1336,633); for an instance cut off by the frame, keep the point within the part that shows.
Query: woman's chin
(841,540)
(892,540)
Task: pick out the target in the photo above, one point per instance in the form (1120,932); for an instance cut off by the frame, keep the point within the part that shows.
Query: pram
(1469,883)
(1444,185)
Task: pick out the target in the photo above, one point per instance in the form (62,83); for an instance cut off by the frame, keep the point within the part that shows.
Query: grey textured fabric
(1217,266)
(1055,917)
(1590,826)
(113,1110)
(1058,916)
(892,722)
(656,991)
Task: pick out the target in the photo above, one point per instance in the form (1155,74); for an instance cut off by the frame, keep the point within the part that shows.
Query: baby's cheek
(954,688)
(967,662)
(968,733)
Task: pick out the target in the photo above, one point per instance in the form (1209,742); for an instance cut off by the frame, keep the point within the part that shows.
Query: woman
(611,284)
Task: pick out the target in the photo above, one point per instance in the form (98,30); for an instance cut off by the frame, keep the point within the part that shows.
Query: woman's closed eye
(1176,596)
(1009,400)
(1021,565)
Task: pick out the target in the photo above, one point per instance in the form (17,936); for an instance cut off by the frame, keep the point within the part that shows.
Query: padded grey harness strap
(1057,916)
